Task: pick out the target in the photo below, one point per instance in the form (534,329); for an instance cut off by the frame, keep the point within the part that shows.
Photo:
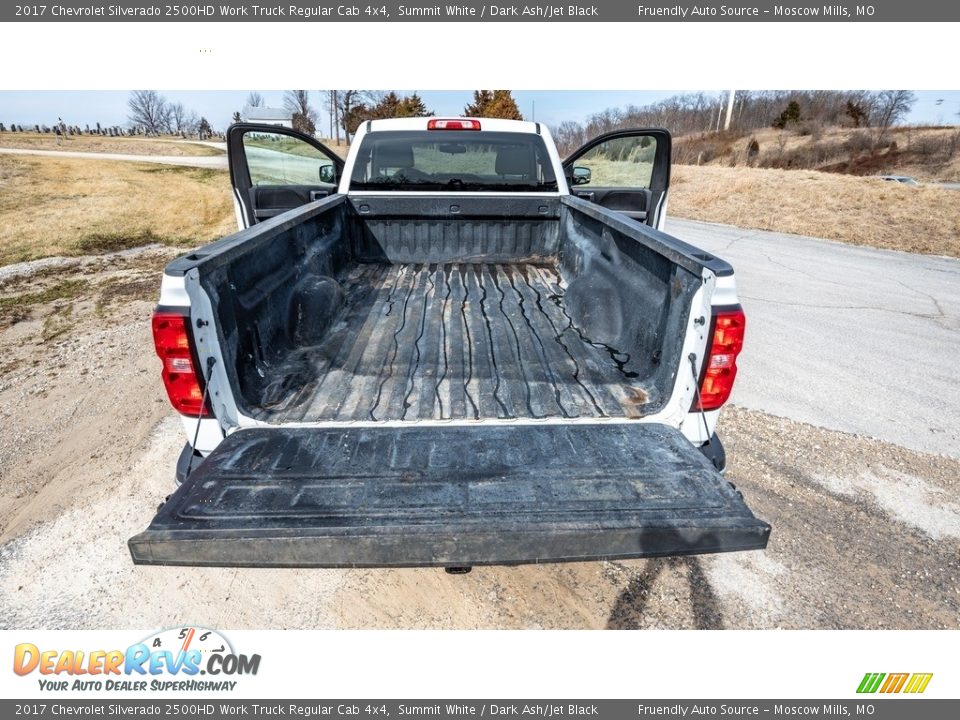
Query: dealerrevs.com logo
(168,660)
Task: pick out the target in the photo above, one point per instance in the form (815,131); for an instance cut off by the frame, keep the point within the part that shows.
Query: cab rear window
(453,161)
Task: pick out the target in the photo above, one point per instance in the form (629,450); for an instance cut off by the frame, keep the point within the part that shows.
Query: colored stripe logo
(912,683)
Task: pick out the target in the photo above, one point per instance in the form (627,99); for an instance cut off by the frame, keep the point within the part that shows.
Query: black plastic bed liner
(448,496)
(452,341)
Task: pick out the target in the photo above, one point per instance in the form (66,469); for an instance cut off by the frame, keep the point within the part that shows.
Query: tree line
(150,113)
(693,113)
(347,110)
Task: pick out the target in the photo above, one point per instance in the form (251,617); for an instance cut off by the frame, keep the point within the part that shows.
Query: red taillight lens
(436,124)
(171,338)
(721,371)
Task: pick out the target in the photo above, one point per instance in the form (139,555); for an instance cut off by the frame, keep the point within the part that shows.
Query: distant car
(902,179)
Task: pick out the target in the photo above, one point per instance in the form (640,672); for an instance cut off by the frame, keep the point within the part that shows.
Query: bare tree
(191,124)
(297,103)
(179,119)
(891,106)
(255,99)
(149,110)
(333,108)
(569,136)
(696,113)
(347,102)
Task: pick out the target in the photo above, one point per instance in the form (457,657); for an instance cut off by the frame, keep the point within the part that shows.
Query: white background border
(449,56)
(704,664)
(560,56)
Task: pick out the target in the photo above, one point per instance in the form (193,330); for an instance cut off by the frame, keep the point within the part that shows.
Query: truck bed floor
(460,341)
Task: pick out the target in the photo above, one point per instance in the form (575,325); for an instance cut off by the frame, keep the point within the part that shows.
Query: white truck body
(522,275)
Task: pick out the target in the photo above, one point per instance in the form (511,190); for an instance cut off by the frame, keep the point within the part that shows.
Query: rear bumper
(714,452)
(189,459)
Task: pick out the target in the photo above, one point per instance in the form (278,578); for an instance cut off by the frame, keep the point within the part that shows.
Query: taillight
(461,124)
(721,368)
(171,337)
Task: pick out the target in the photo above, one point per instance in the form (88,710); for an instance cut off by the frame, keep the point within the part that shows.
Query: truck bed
(452,341)
(401,310)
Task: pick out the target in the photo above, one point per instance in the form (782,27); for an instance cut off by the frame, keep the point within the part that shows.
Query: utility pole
(336,115)
(726,124)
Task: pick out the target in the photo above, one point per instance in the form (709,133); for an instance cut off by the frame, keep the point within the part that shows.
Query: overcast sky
(551,107)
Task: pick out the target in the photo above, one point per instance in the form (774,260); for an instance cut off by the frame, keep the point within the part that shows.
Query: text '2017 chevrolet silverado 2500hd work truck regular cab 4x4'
(451,349)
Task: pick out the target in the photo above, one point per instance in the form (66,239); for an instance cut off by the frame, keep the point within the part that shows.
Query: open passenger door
(624,170)
(448,496)
(274,169)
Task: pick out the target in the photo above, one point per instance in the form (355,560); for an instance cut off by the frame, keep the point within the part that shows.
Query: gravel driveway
(866,532)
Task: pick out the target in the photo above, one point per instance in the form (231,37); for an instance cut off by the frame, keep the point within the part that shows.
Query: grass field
(861,211)
(95,143)
(66,206)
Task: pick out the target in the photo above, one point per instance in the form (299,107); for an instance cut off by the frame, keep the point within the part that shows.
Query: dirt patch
(105,242)
(51,294)
(87,471)
(16,308)
(865,534)
(861,211)
(905,497)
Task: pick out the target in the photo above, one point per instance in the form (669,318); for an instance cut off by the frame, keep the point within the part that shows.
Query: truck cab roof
(423,123)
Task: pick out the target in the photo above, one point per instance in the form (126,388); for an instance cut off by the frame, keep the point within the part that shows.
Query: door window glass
(275,159)
(621,162)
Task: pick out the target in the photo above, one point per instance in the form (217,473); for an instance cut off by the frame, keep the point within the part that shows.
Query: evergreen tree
(788,116)
(493,104)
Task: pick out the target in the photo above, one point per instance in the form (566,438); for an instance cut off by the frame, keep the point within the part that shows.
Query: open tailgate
(448,496)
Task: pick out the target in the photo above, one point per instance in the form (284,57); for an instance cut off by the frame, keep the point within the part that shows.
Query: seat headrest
(516,160)
(393,155)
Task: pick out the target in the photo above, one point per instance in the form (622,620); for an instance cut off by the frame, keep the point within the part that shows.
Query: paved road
(218,162)
(844,337)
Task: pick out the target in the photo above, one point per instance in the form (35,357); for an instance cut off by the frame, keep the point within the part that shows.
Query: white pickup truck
(452,349)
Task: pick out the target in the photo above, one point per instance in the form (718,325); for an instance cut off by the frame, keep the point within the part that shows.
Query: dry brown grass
(94,143)
(862,211)
(927,153)
(340,148)
(66,206)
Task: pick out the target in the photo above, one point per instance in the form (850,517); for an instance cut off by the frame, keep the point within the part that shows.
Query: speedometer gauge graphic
(182,639)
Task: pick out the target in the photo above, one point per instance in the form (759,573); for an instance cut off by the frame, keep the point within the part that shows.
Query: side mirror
(328,174)
(581,175)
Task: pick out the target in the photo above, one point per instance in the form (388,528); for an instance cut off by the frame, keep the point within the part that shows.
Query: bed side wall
(275,293)
(622,294)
